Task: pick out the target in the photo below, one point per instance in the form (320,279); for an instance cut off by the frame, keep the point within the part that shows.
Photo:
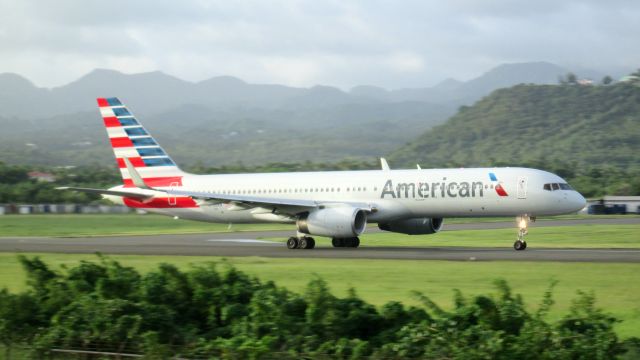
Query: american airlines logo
(497,185)
(441,189)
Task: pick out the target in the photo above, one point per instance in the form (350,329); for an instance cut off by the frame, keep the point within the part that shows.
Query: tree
(607,80)
(572,78)
(18,322)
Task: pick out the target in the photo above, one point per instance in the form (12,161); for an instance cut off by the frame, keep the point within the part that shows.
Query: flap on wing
(129,194)
(262,204)
(253,200)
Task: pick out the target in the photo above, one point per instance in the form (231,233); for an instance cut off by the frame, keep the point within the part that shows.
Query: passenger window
(547,187)
(555,186)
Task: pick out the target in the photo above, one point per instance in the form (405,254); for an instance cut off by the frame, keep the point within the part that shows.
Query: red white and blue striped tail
(131,140)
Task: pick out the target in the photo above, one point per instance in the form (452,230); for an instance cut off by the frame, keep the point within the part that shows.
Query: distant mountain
(583,127)
(507,75)
(151,91)
(227,120)
(195,133)
(156,92)
(18,96)
(448,85)
(454,92)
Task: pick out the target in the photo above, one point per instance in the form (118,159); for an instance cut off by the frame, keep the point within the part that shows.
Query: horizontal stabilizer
(129,194)
(135,176)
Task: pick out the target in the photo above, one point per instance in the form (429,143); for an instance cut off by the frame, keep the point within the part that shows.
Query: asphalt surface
(249,244)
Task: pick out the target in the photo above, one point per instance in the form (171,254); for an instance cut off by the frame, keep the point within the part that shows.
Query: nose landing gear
(521,244)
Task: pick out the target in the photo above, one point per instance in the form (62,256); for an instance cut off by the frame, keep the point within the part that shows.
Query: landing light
(523,223)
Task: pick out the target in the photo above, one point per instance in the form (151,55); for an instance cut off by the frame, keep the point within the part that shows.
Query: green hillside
(588,134)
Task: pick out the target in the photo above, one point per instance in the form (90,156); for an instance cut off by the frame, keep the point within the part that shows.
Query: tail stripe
(126,152)
(119,142)
(102,102)
(144,141)
(120,111)
(136,131)
(131,140)
(153,151)
(135,161)
(128,121)
(111,121)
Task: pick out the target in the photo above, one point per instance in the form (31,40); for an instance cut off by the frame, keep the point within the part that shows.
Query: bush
(207,312)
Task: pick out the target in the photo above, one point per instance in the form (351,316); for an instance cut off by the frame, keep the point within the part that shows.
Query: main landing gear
(303,242)
(353,242)
(307,242)
(523,222)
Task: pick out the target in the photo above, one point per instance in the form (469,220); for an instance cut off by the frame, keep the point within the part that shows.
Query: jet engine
(335,222)
(413,226)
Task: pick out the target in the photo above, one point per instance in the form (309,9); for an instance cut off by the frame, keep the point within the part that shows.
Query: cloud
(303,43)
(406,62)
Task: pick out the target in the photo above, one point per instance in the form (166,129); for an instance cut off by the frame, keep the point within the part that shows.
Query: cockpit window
(557,186)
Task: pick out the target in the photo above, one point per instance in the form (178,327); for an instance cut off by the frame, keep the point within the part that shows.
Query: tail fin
(132,141)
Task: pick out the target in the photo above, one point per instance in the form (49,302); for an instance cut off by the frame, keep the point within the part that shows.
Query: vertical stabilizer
(129,139)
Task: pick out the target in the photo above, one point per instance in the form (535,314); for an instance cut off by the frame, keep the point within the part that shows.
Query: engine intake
(413,226)
(336,222)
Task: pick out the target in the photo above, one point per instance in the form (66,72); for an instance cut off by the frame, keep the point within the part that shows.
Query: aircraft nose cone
(578,201)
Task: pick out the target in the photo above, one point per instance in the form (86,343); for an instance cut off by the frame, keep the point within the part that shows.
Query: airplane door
(522,187)
(172,199)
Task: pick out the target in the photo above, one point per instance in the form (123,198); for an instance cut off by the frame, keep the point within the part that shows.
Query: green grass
(617,286)
(75,225)
(580,236)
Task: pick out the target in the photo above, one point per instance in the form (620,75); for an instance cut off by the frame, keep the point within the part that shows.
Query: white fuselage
(394,194)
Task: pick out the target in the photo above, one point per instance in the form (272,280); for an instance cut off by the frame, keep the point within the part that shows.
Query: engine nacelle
(414,226)
(335,222)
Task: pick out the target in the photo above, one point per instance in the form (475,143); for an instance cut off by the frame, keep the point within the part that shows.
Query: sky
(392,44)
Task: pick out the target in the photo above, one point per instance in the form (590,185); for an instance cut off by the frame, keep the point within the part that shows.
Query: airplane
(334,204)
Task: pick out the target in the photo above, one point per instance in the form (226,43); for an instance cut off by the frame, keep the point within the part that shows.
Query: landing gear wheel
(354,242)
(311,243)
(292,243)
(520,245)
(303,243)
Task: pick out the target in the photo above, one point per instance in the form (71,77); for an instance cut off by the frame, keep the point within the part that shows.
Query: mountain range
(571,126)
(225,120)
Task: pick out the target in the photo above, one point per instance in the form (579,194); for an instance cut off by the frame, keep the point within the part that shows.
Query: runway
(249,244)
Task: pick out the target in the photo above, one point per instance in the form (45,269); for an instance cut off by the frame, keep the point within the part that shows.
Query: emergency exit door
(172,198)
(522,187)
